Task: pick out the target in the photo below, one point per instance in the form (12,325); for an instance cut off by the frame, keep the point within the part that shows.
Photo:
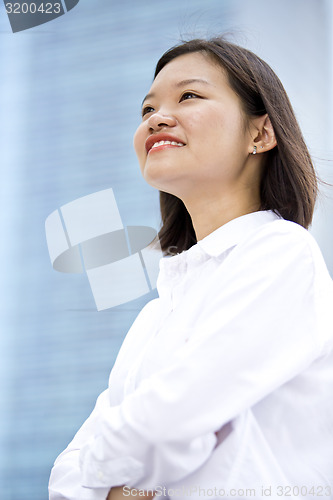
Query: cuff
(108,473)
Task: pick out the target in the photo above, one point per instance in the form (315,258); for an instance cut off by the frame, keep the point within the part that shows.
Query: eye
(147,109)
(188,95)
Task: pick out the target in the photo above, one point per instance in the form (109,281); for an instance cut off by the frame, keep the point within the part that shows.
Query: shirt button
(100,474)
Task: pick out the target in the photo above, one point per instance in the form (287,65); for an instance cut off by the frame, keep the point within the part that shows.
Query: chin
(156,183)
(165,179)
(156,177)
(160,184)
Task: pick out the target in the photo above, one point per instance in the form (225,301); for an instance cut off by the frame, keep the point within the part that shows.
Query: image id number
(32,8)
(303,491)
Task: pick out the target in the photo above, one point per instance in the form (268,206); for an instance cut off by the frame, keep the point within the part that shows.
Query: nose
(159,120)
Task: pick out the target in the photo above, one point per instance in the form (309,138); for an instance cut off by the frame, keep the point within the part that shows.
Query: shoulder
(286,259)
(285,231)
(287,241)
(279,255)
(282,240)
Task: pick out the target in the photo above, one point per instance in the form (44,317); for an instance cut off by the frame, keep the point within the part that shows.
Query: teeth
(162,143)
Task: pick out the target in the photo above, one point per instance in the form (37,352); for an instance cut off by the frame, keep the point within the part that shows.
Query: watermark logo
(29,14)
(87,235)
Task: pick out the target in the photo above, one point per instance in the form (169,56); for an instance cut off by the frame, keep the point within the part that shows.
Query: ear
(263,134)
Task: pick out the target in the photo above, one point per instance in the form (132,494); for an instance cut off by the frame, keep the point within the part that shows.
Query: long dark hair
(289,183)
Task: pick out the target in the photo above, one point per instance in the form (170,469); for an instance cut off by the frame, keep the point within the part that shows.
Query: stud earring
(254,152)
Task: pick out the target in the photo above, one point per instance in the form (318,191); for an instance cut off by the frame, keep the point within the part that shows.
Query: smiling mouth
(166,143)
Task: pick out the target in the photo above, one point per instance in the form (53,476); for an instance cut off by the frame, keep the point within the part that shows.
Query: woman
(224,384)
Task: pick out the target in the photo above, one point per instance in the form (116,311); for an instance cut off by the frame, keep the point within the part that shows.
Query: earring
(254,152)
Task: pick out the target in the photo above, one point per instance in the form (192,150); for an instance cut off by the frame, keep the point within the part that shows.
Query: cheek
(139,142)
(223,119)
(208,125)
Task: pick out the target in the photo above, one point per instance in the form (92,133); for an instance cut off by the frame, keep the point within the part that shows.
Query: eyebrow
(180,84)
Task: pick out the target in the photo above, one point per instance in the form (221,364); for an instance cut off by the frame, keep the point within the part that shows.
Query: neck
(209,213)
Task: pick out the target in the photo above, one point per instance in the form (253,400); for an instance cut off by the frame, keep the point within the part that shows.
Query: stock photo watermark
(87,235)
(264,491)
(24,15)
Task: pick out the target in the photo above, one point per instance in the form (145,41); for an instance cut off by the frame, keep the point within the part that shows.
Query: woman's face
(193,137)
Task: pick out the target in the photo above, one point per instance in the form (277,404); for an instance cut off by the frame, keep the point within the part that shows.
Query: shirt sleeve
(258,329)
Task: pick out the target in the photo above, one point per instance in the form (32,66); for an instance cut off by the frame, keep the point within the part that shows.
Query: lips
(166,140)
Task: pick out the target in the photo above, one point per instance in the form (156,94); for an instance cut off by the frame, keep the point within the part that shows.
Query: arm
(260,312)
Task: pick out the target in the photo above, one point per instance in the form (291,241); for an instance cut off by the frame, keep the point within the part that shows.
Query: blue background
(69,104)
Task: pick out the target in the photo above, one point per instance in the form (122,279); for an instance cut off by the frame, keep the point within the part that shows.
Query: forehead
(193,66)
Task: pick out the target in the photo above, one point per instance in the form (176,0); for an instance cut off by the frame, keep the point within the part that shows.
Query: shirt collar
(215,244)
(235,231)
(173,269)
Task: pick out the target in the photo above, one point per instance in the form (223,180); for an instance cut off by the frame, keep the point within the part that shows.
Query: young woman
(224,384)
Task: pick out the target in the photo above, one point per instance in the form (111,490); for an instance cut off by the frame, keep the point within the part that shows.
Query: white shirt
(239,341)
